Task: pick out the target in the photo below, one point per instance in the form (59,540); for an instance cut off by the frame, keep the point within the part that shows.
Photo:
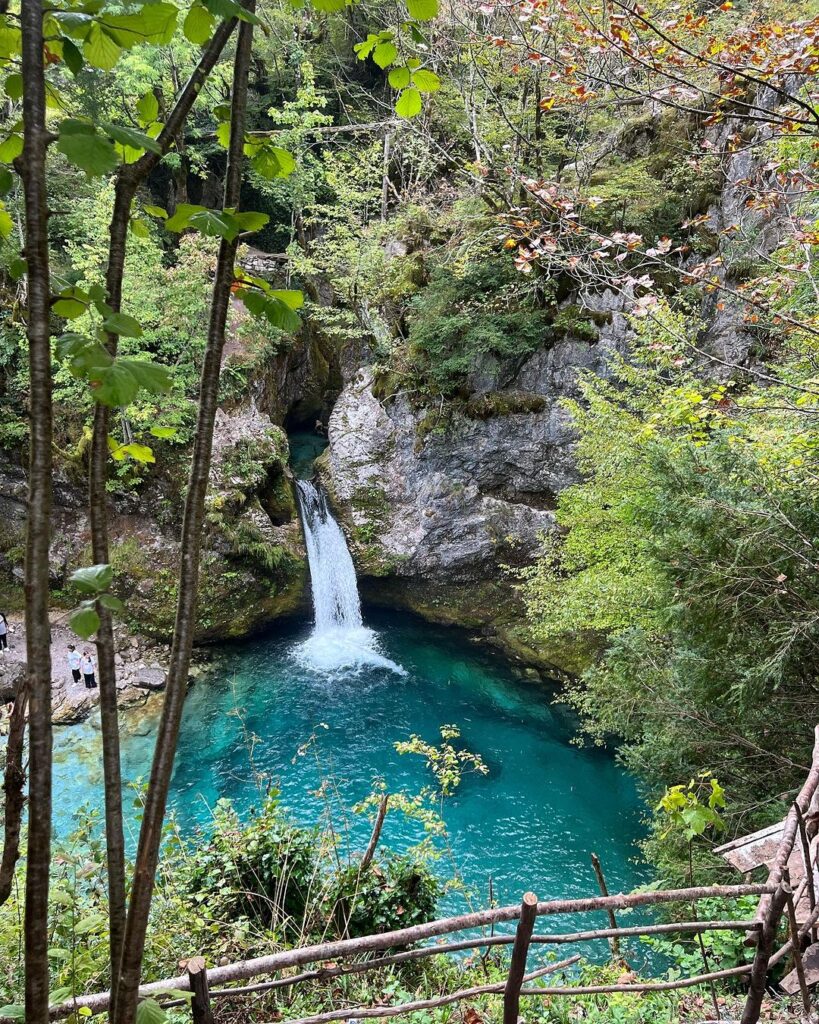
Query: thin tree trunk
(14,800)
(128,180)
(150,836)
(38,634)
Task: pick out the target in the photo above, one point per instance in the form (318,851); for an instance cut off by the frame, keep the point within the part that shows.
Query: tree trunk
(14,800)
(128,180)
(150,836)
(38,634)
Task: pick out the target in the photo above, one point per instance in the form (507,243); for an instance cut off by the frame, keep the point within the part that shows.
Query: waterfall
(340,640)
(336,604)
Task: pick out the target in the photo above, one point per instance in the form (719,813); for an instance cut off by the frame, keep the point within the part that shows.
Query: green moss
(580,323)
(503,403)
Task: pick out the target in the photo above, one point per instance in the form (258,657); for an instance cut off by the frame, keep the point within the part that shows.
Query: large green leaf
(230,9)
(72,57)
(10,148)
(426,81)
(385,54)
(84,621)
(152,377)
(422,10)
(130,137)
(155,23)
(150,1012)
(198,25)
(100,50)
(148,108)
(182,216)
(273,162)
(409,103)
(121,323)
(93,579)
(91,153)
(399,78)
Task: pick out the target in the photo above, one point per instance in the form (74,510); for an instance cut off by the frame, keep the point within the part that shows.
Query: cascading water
(339,640)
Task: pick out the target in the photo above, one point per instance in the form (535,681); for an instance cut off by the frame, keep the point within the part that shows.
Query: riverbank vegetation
(217,205)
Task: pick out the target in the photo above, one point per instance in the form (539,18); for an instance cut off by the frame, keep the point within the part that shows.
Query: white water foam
(340,641)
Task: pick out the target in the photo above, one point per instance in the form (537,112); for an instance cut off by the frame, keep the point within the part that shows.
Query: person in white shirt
(87,667)
(4,632)
(74,660)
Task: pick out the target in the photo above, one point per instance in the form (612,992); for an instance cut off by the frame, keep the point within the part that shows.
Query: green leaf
(163,432)
(14,87)
(215,224)
(182,216)
(366,47)
(251,221)
(6,180)
(150,1012)
(138,452)
(84,622)
(10,148)
(139,228)
(93,579)
(399,78)
(426,81)
(109,601)
(148,108)
(409,103)
(385,54)
(100,50)
(70,309)
(198,25)
(330,6)
(273,162)
(72,57)
(422,10)
(14,1010)
(152,377)
(91,153)
(230,9)
(121,323)
(6,223)
(17,268)
(130,137)
(223,134)
(156,211)
(155,23)
(291,299)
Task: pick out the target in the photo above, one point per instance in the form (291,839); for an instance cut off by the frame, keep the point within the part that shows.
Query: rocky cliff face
(440,510)
(253,561)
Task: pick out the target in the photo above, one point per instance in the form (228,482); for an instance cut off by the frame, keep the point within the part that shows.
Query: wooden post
(198,978)
(796,950)
(614,942)
(520,951)
(759,970)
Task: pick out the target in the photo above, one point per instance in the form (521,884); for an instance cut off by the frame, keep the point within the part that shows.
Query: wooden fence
(211,986)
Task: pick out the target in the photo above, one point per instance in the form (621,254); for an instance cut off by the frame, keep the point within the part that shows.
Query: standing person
(87,666)
(74,660)
(4,632)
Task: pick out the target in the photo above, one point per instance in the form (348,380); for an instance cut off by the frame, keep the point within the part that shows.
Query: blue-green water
(305,448)
(529,824)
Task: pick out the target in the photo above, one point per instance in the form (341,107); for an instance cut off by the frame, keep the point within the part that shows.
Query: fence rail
(777,902)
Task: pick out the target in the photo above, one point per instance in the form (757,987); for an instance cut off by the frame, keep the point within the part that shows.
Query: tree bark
(38,634)
(128,180)
(14,800)
(150,836)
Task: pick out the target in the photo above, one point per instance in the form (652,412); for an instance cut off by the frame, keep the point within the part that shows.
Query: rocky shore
(141,669)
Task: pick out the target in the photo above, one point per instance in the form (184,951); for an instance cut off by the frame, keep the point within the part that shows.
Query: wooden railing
(777,902)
